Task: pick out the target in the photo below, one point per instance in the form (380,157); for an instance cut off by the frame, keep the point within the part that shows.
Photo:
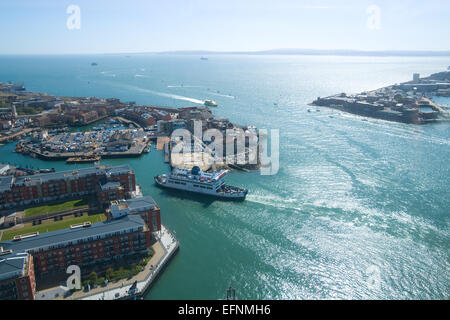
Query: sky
(131,26)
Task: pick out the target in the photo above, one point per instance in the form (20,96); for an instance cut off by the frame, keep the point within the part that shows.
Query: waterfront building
(144,206)
(108,183)
(17,281)
(27,257)
(13,110)
(111,190)
(4,168)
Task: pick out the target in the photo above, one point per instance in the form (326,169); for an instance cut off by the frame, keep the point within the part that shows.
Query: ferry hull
(215,196)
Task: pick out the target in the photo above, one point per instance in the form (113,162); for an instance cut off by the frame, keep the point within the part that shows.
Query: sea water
(359,208)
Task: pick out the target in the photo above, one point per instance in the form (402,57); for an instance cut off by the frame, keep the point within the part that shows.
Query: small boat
(83,159)
(210,103)
(94,64)
(203,58)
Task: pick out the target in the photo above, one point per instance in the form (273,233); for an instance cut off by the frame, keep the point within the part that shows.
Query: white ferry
(197,181)
(210,103)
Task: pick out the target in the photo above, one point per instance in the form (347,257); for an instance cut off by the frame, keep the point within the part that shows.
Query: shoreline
(165,248)
(170,245)
(408,102)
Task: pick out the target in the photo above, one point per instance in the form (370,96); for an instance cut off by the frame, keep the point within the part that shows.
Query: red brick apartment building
(127,231)
(17,281)
(108,183)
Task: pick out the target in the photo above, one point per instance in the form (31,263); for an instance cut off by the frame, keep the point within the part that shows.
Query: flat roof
(111,185)
(65,235)
(5,182)
(133,204)
(130,206)
(138,203)
(12,265)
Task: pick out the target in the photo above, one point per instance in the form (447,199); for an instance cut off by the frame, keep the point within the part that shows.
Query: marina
(87,146)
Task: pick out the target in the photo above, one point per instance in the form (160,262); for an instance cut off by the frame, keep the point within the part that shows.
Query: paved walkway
(24,131)
(160,141)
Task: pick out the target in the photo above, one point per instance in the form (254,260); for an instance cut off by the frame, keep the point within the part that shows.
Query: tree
(100,281)
(109,273)
(93,276)
(398,97)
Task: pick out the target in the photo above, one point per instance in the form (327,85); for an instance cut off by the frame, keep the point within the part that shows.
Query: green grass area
(23,111)
(50,225)
(63,206)
(5,104)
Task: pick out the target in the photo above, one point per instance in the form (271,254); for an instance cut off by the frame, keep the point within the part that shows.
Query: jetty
(84,159)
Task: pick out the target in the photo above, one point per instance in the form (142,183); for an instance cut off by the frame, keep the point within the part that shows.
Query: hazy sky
(113,26)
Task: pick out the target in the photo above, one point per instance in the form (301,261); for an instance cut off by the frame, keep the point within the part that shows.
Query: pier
(16,134)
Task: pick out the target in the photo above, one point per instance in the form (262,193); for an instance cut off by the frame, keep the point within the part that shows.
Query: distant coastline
(324,52)
(288,51)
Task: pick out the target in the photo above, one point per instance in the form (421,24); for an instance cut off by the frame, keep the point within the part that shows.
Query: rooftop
(111,185)
(124,207)
(12,265)
(198,175)
(6,182)
(56,238)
